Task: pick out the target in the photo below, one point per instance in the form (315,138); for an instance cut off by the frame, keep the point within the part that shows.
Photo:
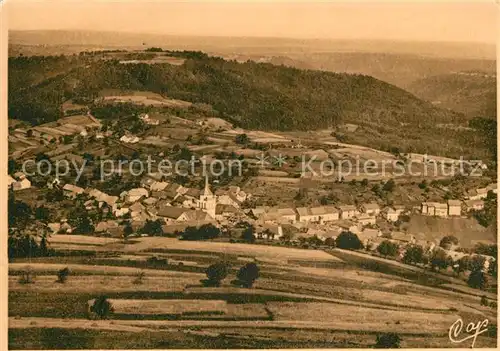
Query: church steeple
(207,191)
(208,201)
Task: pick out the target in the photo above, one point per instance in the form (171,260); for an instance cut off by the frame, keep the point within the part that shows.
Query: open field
(154,307)
(303,298)
(282,253)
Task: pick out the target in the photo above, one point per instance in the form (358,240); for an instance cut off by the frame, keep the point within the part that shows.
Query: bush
(216,273)
(388,341)
(348,241)
(414,254)
(389,186)
(386,248)
(478,280)
(248,274)
(101,307)
(62,275)
(484,301)
(206,231)
(248,234)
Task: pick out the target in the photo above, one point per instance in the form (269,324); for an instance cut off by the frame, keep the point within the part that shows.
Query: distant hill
(249,45)
(250,95)
(472,93)
(253,95)
(402,70)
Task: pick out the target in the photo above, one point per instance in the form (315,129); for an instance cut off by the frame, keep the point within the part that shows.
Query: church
(208,201)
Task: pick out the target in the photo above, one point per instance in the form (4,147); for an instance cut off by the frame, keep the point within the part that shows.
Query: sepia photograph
(250,175)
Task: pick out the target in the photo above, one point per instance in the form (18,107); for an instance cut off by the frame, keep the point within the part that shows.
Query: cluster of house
(474,202)
(147,120)
(18,181)
(171,203)
(365,214)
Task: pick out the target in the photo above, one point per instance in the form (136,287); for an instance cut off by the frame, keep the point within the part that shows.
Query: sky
(422,21)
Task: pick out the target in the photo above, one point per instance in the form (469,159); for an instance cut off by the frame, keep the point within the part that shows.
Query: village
(175,206)
(165,198)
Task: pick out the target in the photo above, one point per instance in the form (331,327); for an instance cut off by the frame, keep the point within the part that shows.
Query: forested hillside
(252,95)
(471,93)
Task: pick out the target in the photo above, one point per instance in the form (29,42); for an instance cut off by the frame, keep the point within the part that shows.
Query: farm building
(134,195)
(317,214)
(365,219)
(371,209)
(474,205)
(390,214)
(21,184)
(454,207)
(277,215)
(348,211)
(401,237)
(434,209)
(71,190)
(225,211)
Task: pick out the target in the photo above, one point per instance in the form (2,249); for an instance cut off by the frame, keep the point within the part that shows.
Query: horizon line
(485,43)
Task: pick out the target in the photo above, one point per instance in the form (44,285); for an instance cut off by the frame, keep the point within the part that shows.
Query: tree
(249,234)
(447,241)
(423,184)
(242,139)
(12,166)
(330,242)
(62,275)
(389,185)
(152,228)
(209,231)
(314,241)
(206,231)
(80,219)
(102,307)
(463,265)
(476,263)
(388,341)
(414,254)
(216,273)
(478,280)
(348,241)
(386,248)
(248,274)
(127,230)
(42,214)
(364,182)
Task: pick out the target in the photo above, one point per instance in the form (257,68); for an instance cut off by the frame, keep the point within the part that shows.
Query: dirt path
(141,325)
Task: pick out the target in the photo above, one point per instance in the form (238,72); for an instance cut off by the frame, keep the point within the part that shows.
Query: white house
(348,211)
(371,209)
(391,214)
(21,184)
(474,205)
(129,139)
(434,209)
(317,214)
(454,207)
(276,215)
(365,219)
(71,190)
(133,195)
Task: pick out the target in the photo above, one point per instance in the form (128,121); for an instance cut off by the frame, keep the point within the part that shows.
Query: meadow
(302,298)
